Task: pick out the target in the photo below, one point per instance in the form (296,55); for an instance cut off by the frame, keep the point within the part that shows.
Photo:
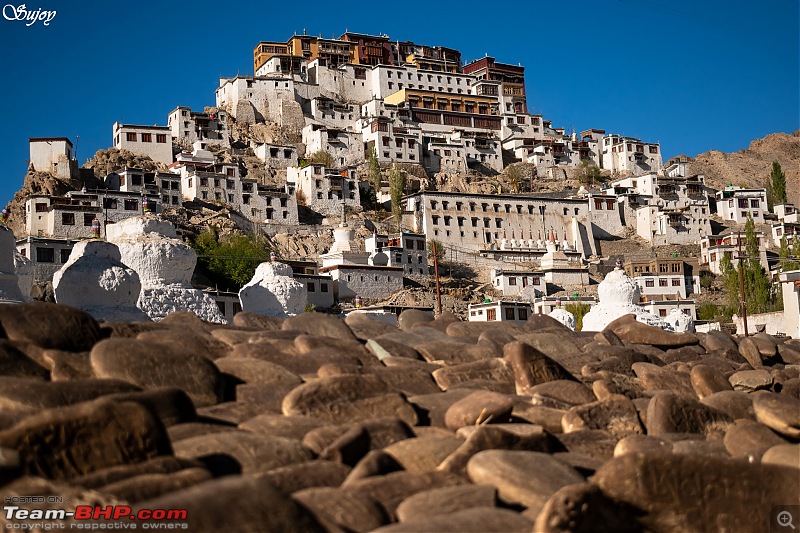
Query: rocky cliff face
(750,167)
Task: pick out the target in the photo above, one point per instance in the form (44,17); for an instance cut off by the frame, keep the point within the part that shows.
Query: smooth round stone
(779,412)
(750,440)
(374,463)
(188,341)
(258,507)
(718,340)
(561,394)
(476,520)
(433,407)
(391,489)
(423,454)
(256,321)
(171,406)
(255,453)
(66,366)
(707,380)
(385,348)
(72,441)
(339,510)
(546,417)
(531,367)
(411,317)
(598,444)
(631,330)
(290,427)
(670,413)
(364,327)
(749,350)
(519,429)
(319,324)
(494,369)
(735,404)
(299,476)
(50,325)
(256,371)
(446,500)
(667,490)
(616,415)
(147,486)
(14,363)
(766,344)
(152,366)
(25,394)
(348,398)
(583,508)
(750,380)
(641,444)
(479,408)
(783,454)
(159,465)
(654,378)
(521,477)
(232,412)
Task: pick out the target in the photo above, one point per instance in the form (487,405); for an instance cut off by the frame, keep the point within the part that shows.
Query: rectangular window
(88,218)
(323,287)
(649,283)
(662,283)
(510,313)
(68,219)
(512,281)
(662,312)
(523,314)
(65,253)
(311,287)
(45,255)
(147,137)
(161,138)
(131,205)
(491,314)
(130,136)
(41,208)
(676,283)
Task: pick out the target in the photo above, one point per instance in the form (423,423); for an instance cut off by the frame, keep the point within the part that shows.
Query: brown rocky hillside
(750,167)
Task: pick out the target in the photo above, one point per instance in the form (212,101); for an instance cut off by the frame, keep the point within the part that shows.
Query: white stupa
(25,271)
(95,280)
(564,316)
(273,291)
(9,286)
(618,295)
(680,321)
(341,253)
(165,265)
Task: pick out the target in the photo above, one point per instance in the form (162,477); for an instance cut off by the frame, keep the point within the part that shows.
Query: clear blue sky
(694,75)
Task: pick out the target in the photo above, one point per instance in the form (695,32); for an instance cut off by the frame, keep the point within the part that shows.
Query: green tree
(397,186)
(587,172)
(579,310)
(760,294)
(321,157)
(789,255)
(515,175)
(776,186)
(230,260)
(435,248)
(375,177)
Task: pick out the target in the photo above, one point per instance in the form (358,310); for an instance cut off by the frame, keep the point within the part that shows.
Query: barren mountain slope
(750,167)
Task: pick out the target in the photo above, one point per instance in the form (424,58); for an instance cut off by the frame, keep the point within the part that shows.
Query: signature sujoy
(21,12)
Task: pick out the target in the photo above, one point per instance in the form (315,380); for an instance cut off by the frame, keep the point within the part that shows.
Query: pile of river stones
(314,423)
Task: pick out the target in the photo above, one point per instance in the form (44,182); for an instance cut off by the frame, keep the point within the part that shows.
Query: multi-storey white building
(659,277)
(665,210)
(152,141)
(785,230)
(54,155)
(189,126)
(345,147)
(407,250)
(480,221)
(787,213)
(512,282)
(714,247)
(276,155)
(48,255)
(324,189)
(736,204)
(628,154)
(389,131)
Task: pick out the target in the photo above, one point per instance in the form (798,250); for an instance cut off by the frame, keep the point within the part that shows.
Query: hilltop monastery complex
(424,110)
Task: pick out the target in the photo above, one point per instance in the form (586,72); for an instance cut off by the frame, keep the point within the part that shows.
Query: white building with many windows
(500,311)
(512,282)
(407,250)
(325,189)
(152,141)
(736,204)
(714,247)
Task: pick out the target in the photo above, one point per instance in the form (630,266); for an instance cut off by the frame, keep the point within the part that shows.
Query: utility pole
(436,275)
(741,281)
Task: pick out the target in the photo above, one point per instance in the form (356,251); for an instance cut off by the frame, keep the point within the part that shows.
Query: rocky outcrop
(9,287)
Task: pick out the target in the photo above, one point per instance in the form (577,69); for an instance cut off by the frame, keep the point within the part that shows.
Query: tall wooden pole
(741,281)
(436,275)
